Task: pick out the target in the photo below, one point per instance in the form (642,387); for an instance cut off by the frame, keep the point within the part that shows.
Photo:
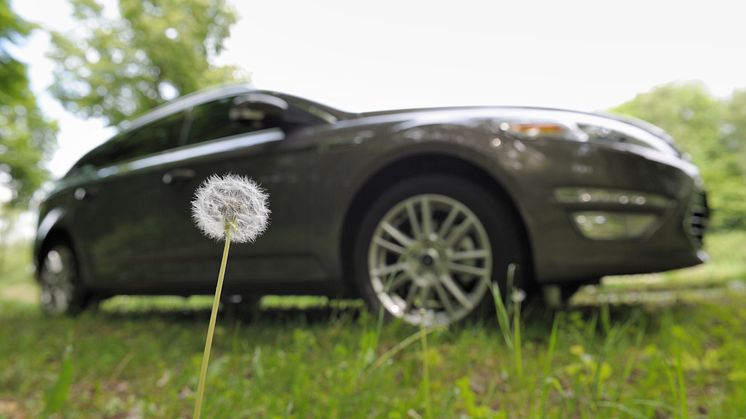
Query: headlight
(626,134)
(586,127)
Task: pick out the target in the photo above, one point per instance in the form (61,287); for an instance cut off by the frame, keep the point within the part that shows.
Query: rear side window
(212,120)
(155,137)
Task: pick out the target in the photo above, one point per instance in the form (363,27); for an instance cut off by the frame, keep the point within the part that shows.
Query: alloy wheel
(430,260)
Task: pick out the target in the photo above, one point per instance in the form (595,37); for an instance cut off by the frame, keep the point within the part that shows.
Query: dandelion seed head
(231,200)
(518,295)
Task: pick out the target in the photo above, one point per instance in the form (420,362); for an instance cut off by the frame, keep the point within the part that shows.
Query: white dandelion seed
(518,295)
(234,202)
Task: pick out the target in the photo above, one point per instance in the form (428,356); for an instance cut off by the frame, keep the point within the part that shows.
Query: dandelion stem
(211,328)
(425,372)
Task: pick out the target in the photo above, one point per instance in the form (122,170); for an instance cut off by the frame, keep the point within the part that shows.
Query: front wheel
(429,248)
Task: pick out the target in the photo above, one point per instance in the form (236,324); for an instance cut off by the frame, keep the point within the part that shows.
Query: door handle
(177,175)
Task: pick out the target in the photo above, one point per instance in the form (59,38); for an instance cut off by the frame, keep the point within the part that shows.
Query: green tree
(736,129)
(119,63)
(708,130)
(27,138)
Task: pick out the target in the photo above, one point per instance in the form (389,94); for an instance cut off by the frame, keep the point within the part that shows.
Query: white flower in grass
(518,295)
(230,201)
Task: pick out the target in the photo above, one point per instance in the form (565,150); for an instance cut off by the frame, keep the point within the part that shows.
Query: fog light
(609,196)
(603,225)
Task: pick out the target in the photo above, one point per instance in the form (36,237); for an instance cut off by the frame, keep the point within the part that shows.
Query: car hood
(415,113)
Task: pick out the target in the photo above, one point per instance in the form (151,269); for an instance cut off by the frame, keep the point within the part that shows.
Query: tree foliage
(27,138)
(119,63)
(713,132)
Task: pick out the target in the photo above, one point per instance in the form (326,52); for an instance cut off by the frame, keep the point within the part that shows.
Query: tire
(412,275)
(62,291)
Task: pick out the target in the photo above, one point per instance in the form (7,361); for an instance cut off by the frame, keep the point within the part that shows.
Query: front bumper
(673,240)
(666,189)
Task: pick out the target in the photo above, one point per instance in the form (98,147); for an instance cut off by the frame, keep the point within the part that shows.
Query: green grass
(680,356)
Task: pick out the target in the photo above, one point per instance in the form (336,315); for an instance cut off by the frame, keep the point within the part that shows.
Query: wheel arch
(54,228)
(417,165)
(54,235)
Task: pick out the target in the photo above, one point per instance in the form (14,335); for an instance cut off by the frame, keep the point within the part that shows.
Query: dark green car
(416,211)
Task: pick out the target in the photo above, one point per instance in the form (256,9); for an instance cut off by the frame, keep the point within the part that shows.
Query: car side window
(154,137)
(212,120)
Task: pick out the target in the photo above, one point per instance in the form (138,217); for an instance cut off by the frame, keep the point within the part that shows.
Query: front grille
(697,218)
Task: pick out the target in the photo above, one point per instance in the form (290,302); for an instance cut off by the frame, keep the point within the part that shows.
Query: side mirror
(257,107)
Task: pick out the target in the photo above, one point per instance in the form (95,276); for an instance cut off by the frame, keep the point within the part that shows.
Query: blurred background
(73,72)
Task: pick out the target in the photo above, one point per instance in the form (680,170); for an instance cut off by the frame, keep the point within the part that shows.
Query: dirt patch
(24,293)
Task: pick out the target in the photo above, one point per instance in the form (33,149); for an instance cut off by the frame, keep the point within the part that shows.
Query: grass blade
(548,365)
(57,395)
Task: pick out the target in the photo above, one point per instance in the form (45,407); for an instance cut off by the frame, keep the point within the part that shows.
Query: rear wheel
(429,248)
(62,292)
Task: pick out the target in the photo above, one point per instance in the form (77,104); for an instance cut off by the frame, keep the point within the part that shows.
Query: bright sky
(382,54)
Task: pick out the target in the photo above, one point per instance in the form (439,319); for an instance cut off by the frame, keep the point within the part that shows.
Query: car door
(118,216)
(219,143)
